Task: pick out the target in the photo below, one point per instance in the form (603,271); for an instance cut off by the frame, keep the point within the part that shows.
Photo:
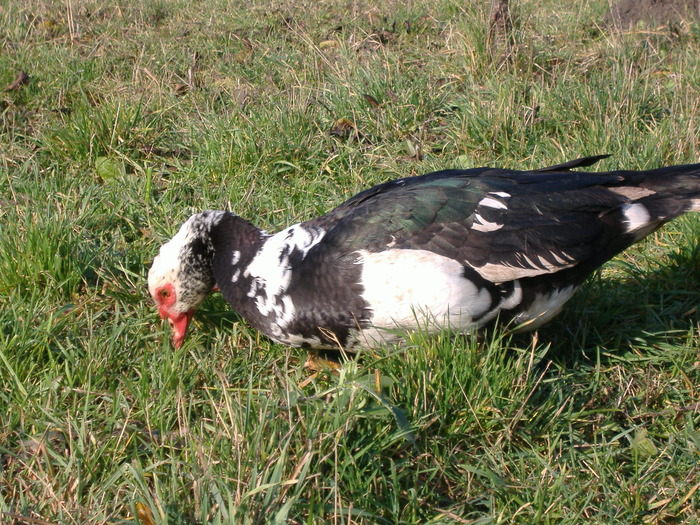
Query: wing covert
(504,225)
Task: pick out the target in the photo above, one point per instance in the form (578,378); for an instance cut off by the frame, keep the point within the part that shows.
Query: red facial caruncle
(166,298)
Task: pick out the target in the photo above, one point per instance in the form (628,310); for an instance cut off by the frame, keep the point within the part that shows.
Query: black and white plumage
(452,249)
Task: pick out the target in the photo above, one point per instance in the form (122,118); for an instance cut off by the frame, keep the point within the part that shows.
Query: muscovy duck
(452,249)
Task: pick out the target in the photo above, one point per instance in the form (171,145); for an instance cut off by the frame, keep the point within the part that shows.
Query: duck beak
(178,323)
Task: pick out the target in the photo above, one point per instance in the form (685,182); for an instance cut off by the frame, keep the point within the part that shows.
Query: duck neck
(236,242)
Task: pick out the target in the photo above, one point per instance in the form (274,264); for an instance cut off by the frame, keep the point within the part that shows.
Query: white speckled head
(168,267)
(181,276)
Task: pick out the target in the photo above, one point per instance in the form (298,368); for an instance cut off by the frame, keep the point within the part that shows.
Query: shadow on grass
(645,308)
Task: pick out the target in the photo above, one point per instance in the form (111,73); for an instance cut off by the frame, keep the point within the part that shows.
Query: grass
(138,114)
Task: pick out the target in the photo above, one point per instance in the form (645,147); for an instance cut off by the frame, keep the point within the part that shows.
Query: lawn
(135,115)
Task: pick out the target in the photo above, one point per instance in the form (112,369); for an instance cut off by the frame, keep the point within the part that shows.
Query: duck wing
(504,224)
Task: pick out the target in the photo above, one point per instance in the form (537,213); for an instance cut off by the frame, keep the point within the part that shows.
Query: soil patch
(653,13)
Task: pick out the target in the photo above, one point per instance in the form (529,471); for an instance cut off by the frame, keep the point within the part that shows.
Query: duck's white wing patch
(526,267)
(494,204)
(482,225)
(501,194)
(490,202)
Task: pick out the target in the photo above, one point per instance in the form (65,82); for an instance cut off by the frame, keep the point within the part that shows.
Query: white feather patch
(405,289)
(492,203)
(636,216)
(169,253)
(544,308)
(482,225)
(272,273)
(514,298)
(502,272)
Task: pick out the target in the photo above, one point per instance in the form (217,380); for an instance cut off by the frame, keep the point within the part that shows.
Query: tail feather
(583,162)
(675,188)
